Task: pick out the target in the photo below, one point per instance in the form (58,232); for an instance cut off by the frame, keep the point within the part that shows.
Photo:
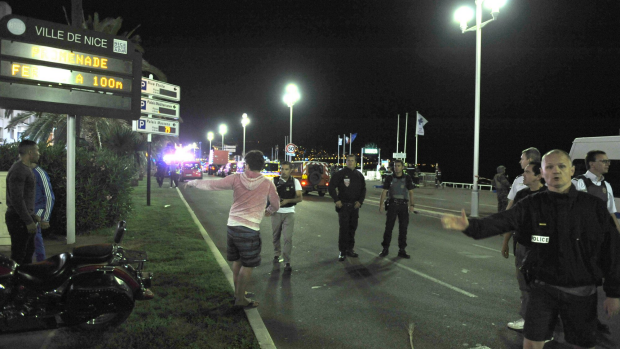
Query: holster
(527,269)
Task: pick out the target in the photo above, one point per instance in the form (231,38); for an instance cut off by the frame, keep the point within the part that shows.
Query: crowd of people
(567,244)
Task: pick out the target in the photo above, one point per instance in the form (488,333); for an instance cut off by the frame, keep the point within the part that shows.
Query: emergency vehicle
(271,169)
(312,175)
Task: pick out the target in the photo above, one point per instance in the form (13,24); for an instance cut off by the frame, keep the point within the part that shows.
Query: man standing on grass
(283,221)
(250,193)
(21,222)
(43,205)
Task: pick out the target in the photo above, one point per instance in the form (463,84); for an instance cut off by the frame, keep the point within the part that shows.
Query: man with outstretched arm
(573,247)
(250,193)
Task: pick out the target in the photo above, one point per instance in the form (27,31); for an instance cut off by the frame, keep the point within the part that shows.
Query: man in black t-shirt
(399,204)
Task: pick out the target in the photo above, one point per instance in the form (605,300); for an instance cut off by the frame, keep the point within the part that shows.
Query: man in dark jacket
(348,189)
(21,222)
(502,187)
(573,247)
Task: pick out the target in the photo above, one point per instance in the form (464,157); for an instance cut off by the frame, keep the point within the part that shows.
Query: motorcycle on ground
(93,288)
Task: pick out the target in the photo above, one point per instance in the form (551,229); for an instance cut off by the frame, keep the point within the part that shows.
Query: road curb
(254,318)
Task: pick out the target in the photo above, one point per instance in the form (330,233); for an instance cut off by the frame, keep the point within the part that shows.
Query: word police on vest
(540,239)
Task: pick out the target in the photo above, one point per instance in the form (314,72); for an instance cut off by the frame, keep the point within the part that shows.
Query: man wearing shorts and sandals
(573,246)
(250,193)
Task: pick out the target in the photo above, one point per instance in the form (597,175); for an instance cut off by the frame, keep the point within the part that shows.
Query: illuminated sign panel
(63,76)
(50,67)
(64,57)
(167,129)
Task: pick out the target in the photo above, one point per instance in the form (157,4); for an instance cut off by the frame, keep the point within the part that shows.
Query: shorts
(245,244)
(578,314)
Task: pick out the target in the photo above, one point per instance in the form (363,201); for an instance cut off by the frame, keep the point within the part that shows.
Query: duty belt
(399,201)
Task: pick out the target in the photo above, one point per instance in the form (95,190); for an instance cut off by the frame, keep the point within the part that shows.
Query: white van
(608,144)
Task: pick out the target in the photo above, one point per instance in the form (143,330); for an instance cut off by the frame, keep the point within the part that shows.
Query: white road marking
(418,205)
(488,248)
(428,277)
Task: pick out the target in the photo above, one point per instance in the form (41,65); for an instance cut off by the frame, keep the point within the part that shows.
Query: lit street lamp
(210,138)
(464,15)
(291,96)
(244,121)
(223,130)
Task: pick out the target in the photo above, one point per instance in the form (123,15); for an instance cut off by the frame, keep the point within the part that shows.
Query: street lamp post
(223,130)
(210,138)
(291,96)
(463,15)
(244,122)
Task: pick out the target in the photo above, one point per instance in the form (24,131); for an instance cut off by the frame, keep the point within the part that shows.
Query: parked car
(231,168)
(191,170)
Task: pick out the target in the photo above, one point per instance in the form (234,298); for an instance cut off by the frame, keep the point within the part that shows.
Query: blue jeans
(39,247)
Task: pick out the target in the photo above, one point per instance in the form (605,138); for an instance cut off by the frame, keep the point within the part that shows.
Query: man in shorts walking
(250,193)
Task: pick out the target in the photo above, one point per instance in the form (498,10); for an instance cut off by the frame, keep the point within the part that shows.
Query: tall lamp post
(223,130)
(291,96)
(210,138)
(244,122)
(464,15)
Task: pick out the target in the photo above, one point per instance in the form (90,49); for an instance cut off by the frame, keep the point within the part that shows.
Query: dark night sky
(550,72)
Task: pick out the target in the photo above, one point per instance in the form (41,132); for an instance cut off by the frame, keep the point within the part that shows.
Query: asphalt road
(456,292)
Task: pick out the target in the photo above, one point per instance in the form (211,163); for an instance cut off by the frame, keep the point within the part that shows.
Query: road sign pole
(148,160)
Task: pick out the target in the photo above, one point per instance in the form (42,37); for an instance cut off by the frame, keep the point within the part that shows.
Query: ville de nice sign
(51,67)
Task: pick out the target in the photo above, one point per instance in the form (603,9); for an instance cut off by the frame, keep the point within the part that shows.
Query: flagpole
(416,139)
(350,143)
(397,131)
(405,149)
(344,148)
(338,156)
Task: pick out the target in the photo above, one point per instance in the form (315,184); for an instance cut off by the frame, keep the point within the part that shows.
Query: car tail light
(327,184)
(303,183)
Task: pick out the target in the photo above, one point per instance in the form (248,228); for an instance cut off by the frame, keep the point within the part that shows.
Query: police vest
(398,188)
(286,190)
(600,191)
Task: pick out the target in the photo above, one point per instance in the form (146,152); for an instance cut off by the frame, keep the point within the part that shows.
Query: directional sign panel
(160,89)
(160,108)
(156,126)
(399,155)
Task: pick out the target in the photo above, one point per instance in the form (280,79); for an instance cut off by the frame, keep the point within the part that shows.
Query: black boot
(384,252)
(403,254)
(342,256)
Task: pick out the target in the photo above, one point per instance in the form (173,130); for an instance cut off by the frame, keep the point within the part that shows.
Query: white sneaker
(516,325)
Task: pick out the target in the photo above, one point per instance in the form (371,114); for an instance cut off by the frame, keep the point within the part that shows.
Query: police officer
(399,204)
(348,190)
(502,187)
(283,221)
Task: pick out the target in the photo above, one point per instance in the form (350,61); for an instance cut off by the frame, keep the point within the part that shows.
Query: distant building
(13,134)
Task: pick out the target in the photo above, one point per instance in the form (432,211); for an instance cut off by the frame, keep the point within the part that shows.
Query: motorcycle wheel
(101,322)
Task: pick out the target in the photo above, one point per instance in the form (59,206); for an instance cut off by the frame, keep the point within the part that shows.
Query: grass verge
(191,308)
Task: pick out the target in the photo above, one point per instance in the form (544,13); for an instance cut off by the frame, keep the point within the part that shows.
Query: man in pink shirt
(251,190)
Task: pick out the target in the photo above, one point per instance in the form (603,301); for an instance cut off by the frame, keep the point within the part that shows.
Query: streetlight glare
(223,129)
(494,5)
(292,94)
(464,14)
(210,136)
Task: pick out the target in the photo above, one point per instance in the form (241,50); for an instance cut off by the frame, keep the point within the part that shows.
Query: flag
(353,137)
(346,140)
(339,140)
(420,125)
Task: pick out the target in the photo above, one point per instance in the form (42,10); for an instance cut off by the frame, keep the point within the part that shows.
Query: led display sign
(56,68)
(167,129)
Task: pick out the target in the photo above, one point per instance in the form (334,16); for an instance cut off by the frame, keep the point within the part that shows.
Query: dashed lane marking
(428,277)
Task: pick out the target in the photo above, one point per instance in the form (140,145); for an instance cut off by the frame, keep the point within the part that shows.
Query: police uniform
(283,221)
(397,205)
(347,186)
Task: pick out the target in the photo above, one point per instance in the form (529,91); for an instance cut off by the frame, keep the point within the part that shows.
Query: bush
(102,185)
